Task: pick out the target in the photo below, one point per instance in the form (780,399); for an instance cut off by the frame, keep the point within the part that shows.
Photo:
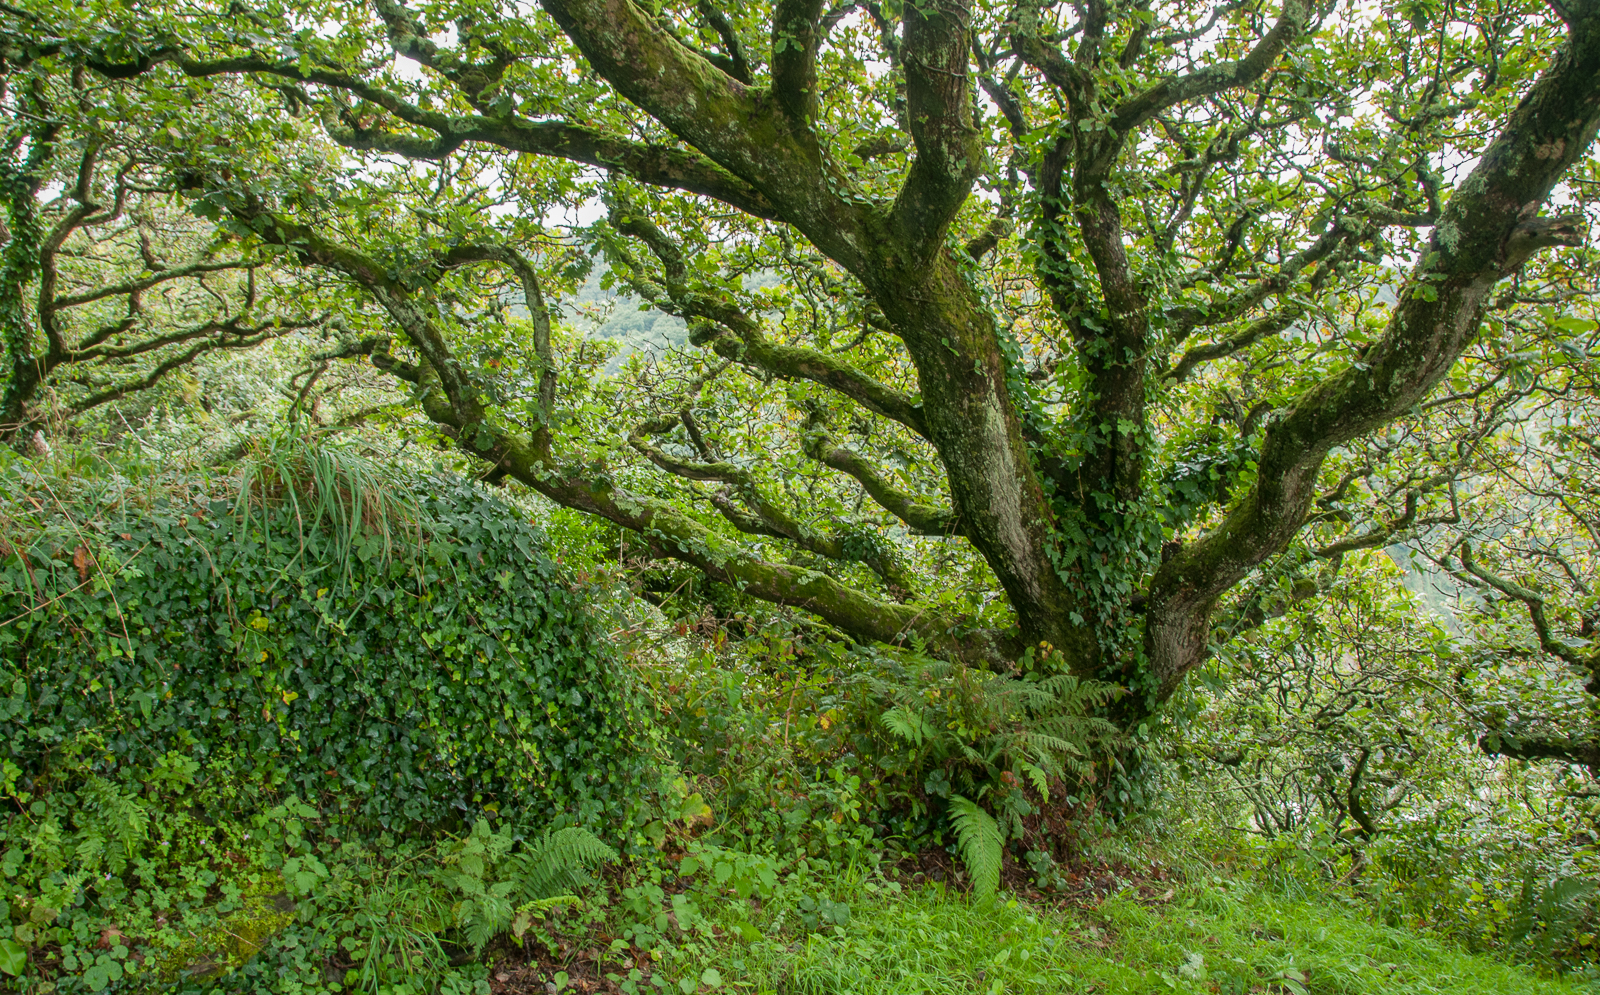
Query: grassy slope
(1210,940)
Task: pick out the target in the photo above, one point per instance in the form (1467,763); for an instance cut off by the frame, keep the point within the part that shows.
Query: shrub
(399,650)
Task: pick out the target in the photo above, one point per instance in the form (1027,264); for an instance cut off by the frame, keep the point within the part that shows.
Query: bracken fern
(507,889)
(558,861)
(991,738)
(977,726)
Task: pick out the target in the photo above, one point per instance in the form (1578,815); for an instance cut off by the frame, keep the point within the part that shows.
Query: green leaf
(13,957)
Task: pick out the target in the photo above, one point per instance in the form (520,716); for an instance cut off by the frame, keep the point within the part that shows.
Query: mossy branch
(925,518)
(1488,230)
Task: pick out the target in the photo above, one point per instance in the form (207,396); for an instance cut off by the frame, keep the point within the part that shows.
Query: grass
(1216,938)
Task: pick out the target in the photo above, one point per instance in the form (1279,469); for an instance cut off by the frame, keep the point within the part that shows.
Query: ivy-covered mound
(399,662)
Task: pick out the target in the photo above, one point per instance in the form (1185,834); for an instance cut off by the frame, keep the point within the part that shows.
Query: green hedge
(455,675)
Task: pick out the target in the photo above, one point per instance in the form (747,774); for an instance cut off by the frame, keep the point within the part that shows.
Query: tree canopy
(1084,335)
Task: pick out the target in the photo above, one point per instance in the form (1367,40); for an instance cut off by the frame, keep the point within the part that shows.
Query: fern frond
(557,861)
(904,723)
(979,843)
(1042,744)
(483,918)
(1080,695)
(1039,778)
(121,817)
(1077,727)
(1031,695)
(973,756)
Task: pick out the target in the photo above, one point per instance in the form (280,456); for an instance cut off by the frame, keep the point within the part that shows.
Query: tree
(1337,715)
(1522,561)
(1133,280)
(109,284)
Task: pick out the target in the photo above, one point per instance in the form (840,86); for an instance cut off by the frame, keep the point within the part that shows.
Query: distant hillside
(611,315)
(626,320)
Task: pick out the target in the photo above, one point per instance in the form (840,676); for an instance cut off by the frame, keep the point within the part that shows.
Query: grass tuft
(367,508)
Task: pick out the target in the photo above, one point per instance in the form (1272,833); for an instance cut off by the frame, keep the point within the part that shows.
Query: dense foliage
(213,681)
(1344,742)
(424,673)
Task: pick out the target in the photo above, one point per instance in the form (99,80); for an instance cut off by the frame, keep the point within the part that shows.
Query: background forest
(883,497)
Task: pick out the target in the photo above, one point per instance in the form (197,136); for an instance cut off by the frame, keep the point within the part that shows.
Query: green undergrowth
(319,723)
(826,758)
(306,727)
(1215,937)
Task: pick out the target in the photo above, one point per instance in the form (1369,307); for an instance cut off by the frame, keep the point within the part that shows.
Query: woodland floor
(1114,931)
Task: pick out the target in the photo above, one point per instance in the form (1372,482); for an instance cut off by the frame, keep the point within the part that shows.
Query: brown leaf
(82,561)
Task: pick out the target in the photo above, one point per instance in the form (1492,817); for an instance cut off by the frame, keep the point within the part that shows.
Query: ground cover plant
(732,921)
(1210,938)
